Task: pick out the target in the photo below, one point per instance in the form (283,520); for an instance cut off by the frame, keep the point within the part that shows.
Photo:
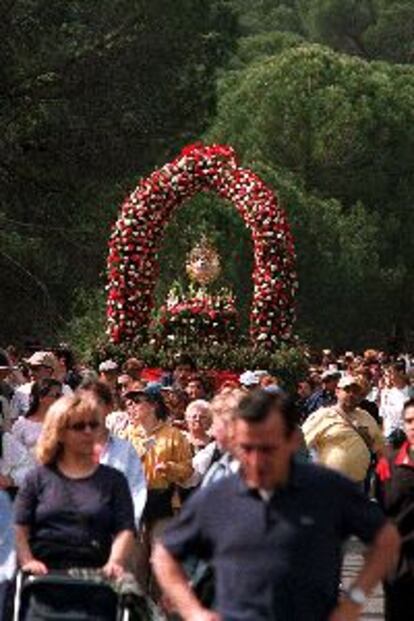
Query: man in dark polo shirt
(274,531)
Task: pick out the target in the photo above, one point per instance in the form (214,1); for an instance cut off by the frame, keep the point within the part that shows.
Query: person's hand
(346,611)
(113,570)
(35,567)
(383,469)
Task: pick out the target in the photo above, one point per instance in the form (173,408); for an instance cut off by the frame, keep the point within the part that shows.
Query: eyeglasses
(93,425)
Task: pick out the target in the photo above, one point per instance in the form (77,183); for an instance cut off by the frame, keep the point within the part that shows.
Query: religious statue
(197,314)
(203,263)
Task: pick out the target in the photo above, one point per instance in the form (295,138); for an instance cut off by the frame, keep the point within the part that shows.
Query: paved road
(353,561)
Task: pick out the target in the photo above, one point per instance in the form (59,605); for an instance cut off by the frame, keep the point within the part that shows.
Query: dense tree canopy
(373,29)
(343,128)
(316,95)
(93,94)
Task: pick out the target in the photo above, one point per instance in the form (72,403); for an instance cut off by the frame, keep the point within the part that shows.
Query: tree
(339,23)
(344,129)
(255,48)
(373,29)
(258,16)
(391,37)
(93,94)
(343,125)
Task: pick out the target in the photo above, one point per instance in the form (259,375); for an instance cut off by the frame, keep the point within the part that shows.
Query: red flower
(145,211)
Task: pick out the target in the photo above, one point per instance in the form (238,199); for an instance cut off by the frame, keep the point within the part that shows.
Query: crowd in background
(169,432)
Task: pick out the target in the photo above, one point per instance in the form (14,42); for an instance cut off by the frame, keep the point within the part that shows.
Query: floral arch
(138,232)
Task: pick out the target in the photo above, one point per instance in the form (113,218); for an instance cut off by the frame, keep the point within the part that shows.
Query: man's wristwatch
(356,595)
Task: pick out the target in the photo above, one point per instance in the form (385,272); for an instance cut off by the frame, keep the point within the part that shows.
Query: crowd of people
(219,481)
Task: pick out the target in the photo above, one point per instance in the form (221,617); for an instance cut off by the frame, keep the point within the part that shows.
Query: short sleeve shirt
(75,512)
(338,445)
(276,560)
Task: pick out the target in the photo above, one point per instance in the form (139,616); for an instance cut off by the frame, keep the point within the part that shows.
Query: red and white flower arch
(137,236)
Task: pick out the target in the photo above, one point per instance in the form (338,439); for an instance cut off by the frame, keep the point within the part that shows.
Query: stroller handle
(127,591)
(73,576)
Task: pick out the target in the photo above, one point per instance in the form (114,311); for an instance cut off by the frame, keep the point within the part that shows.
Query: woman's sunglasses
(93,425)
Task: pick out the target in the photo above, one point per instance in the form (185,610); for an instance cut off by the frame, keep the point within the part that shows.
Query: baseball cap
(108,365)
(248,378)
(348,380)
(42,359)
(259,373)
(150,394)
(152,391)
(330,374)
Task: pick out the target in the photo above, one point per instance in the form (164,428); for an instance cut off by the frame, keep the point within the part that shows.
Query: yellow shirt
(338,445)
(165,444)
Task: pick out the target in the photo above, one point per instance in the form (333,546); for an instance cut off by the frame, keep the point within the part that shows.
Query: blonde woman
(223,462)
(72,511)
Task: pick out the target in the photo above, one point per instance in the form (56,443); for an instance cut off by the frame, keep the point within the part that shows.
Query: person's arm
(380,559)
(5,413)
(311,430)
(179,468)
(137,484)
(378,443)
(121,549)
(123,526)
(27,561)
(201,463)
(17,461)
(174,584)
(25,523)
(15,407)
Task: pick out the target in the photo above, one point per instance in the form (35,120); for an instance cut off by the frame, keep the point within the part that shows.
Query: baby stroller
(80,595)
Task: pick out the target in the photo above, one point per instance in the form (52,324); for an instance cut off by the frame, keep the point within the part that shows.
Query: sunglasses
(93,425)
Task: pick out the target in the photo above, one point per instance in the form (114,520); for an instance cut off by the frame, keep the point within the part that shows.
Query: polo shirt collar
(295,481)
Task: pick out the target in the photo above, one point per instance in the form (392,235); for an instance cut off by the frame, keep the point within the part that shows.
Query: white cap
(42,359)
(330,374)
(348,380)
(248,378)
(260,373)
(108,365)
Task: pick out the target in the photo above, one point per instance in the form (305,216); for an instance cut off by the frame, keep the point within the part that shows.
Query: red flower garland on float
(185,320)
(137,236)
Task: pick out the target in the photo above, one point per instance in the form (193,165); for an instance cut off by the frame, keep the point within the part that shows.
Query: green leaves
(332,134)
(93,95)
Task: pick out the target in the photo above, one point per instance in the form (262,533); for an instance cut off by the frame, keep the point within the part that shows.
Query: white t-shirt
(27,432)
(391,406)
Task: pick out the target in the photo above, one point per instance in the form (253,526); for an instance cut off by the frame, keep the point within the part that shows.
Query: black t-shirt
(73,521)
(279,559)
